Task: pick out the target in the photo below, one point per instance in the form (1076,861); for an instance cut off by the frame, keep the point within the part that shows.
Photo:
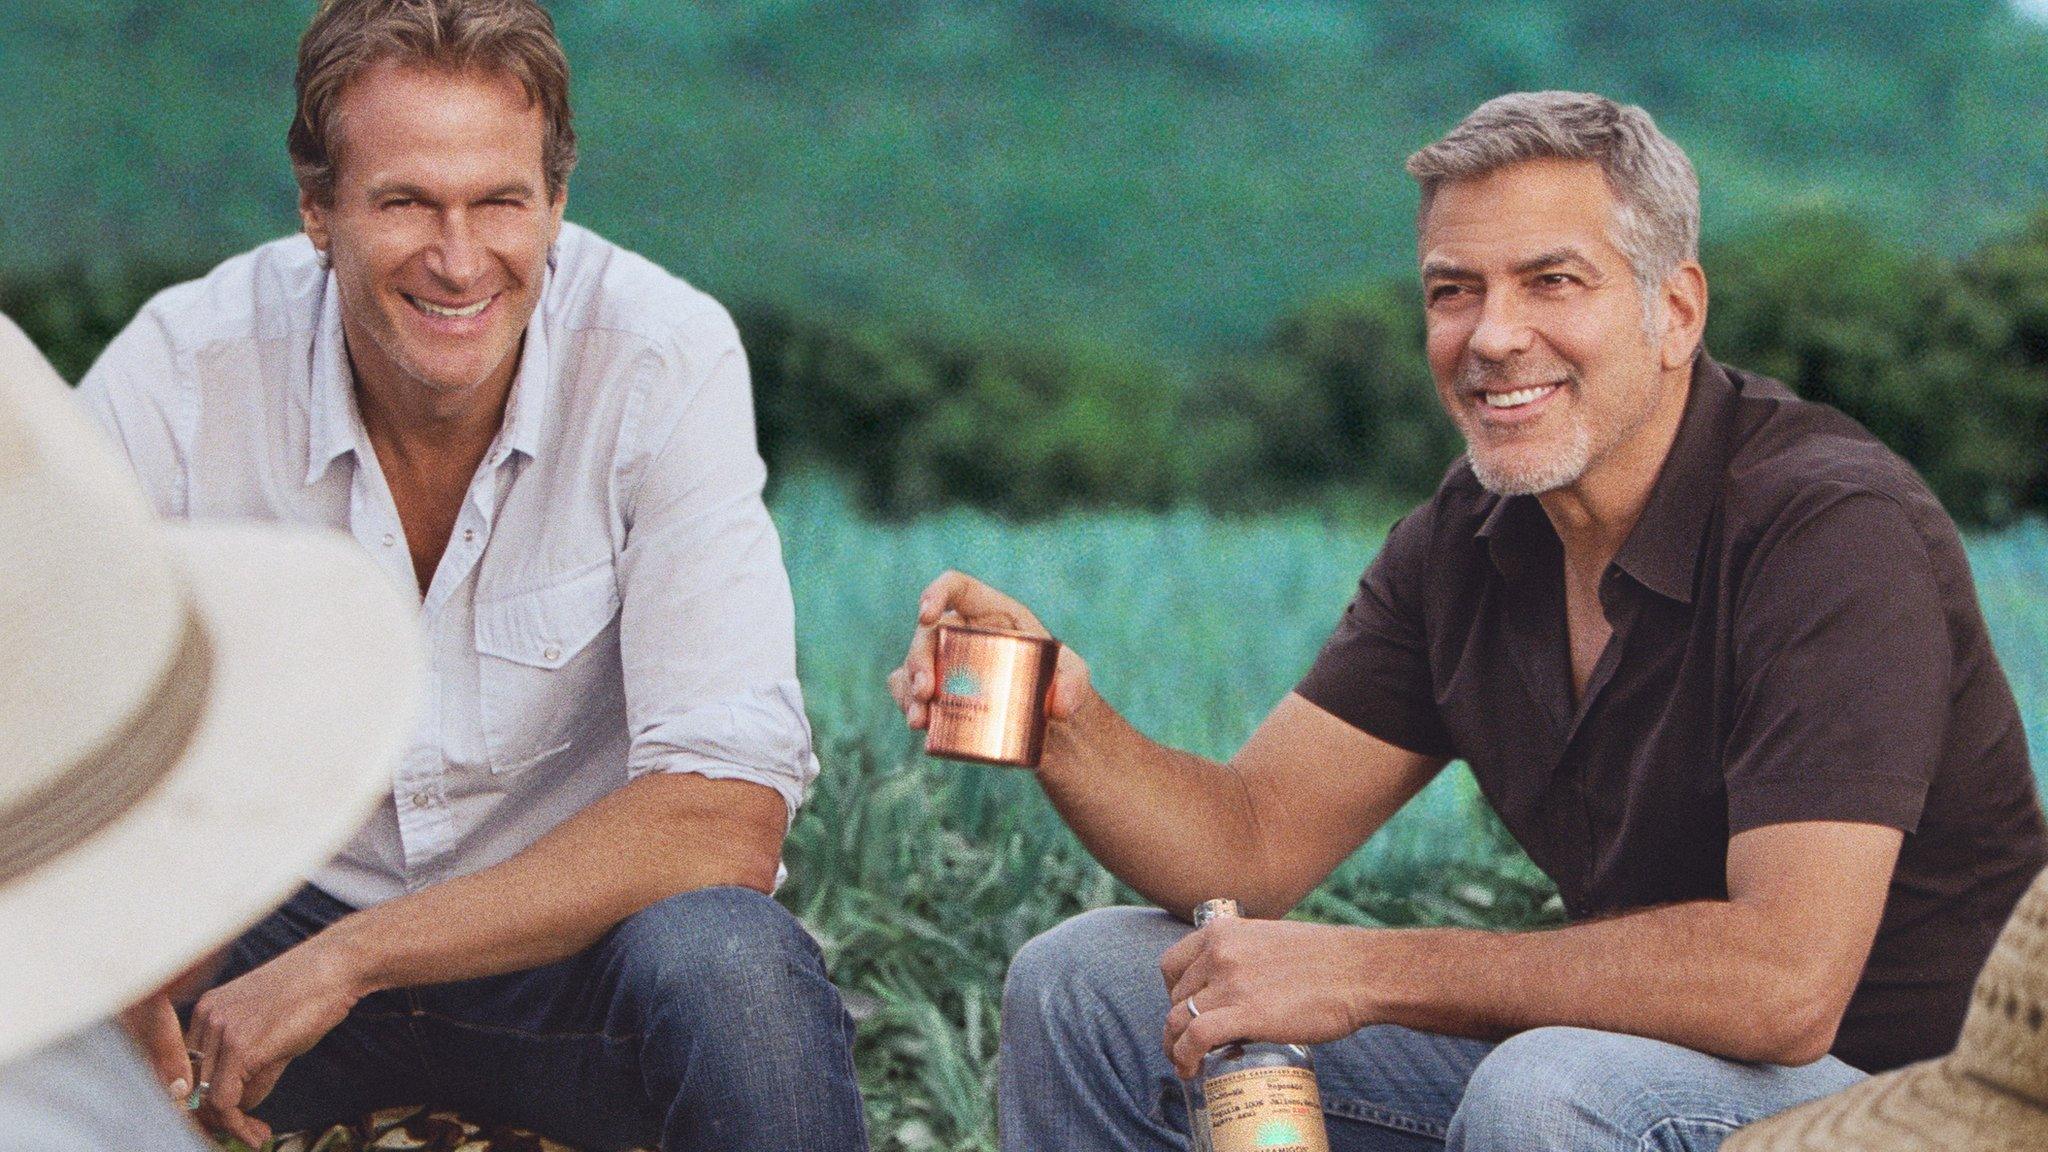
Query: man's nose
(1502,330)
(457,257)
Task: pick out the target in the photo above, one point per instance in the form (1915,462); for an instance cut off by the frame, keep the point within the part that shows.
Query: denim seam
(1643,1142)
(522,1033)
(1384,1117)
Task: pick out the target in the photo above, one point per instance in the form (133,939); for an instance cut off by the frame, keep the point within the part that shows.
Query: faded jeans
(1082,1067)
(703,1022)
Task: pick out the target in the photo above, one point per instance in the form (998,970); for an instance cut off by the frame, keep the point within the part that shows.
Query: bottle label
(1266,1110)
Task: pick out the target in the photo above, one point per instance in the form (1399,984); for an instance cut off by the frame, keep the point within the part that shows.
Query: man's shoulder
(1793,458)
(266,293)
(599,286)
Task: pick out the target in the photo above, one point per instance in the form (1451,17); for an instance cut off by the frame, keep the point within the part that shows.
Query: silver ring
(1192,1010)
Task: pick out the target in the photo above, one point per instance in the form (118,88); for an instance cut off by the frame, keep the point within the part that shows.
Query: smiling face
(439,227)
(1536,326)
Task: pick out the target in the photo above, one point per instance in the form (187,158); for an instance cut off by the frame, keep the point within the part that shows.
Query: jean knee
(1552,1088)
(1092,955)
(724,948)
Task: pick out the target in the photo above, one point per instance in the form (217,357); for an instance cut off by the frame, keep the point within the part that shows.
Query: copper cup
(993,685)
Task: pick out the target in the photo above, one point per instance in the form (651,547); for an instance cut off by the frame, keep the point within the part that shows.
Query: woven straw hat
(191,717)
(1989,1095)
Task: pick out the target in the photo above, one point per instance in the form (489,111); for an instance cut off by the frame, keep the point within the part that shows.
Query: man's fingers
(261,1081)
(236,1089)
(1214,1028)
(154,1026)
(1177,959)
(977,604)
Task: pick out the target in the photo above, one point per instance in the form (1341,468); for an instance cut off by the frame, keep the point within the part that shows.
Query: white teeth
(461,313)
(1517,398)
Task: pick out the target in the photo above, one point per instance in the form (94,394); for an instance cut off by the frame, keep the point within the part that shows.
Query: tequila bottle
(1252,1096)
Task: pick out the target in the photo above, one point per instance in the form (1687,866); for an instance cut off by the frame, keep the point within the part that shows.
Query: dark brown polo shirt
(1796,637)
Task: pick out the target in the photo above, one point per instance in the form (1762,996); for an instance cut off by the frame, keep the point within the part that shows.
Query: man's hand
(247,1030)
(1273,980)
(956,598)
(153,1024)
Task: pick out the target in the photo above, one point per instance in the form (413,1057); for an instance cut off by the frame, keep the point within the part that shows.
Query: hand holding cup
(959,599)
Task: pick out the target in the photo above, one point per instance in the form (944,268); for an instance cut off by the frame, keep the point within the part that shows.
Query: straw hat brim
(1932,1105)
(317,667)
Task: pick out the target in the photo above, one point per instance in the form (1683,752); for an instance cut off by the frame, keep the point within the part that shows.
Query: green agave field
(923,877)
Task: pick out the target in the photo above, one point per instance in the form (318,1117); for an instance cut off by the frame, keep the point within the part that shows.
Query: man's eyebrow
(415,192)
(1552,259)
(1445,270)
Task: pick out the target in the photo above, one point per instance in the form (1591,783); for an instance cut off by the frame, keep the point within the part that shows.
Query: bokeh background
(1112,302)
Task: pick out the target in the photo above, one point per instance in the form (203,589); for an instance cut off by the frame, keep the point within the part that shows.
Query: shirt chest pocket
(544,659)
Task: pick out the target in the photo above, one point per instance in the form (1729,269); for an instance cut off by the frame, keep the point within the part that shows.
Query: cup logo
(962,682)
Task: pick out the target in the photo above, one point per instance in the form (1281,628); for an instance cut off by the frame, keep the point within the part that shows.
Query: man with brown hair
(559,917)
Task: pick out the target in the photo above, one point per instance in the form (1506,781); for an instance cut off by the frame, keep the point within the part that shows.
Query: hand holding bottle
(1280,981)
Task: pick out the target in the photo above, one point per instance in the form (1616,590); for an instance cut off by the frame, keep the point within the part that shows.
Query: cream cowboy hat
(191,718)
(1989,1095)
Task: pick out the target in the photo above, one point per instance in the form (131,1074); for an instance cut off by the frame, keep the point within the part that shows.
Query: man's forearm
(656,837)
(1173,825)
(1710,976)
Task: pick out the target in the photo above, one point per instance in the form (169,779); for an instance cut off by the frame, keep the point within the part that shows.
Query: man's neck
(1594,515)
(408,417)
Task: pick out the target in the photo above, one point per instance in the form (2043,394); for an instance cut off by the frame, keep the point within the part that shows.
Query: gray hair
(1656,193)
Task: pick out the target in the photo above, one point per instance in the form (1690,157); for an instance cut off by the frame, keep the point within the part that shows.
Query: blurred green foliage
(1946,360)
(1164,174)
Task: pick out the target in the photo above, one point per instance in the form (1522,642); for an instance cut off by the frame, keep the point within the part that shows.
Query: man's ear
(313,218)
(1685,315)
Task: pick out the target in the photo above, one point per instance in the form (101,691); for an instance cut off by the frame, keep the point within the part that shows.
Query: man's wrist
(348,959)
(1067,739)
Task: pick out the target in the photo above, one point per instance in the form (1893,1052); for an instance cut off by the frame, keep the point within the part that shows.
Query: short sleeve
(1373,673)
(1843,659)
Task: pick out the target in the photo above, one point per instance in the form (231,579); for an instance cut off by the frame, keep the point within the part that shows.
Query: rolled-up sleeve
(706,625)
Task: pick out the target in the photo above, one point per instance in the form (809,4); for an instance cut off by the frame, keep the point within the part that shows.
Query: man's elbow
(1794,1027)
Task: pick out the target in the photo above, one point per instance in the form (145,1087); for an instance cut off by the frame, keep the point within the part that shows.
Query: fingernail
(180,1089)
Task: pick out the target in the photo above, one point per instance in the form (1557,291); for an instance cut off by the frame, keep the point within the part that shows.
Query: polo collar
(334,426)
(1662,551)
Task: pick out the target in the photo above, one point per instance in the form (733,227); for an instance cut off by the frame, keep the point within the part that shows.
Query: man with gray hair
(1711,652)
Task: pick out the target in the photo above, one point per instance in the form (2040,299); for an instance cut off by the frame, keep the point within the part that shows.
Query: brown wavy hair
(507,37)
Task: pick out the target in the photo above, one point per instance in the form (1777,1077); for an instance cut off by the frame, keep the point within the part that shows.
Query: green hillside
(1166,173)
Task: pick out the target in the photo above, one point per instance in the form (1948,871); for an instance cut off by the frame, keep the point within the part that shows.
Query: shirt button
(468,534)
(551,652)
(390,538)
(422,800)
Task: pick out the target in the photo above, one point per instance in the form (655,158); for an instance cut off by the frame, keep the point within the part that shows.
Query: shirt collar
(1662,551)
(332,424)
(334,427)
(526,408)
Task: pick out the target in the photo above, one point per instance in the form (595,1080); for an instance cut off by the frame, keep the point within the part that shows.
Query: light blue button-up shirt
(612,600)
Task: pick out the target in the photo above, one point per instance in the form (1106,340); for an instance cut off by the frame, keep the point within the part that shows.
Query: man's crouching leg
(1580,1090)
(742,1040)
(1082,1063)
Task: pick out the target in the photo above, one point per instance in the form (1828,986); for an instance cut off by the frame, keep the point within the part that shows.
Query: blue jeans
(703,1022)
(1082,1067)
